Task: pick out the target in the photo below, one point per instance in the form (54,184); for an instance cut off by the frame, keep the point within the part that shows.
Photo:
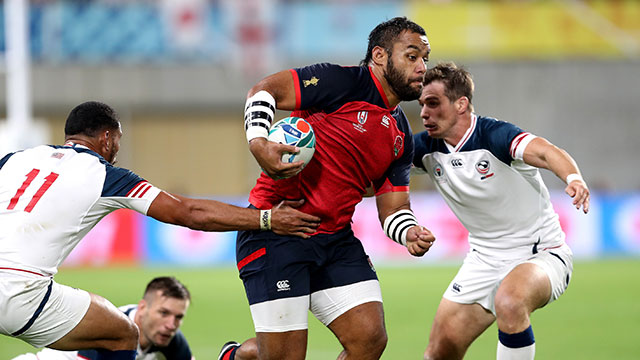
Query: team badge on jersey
(362,118)
(483,167)
(438,171)
(397,145)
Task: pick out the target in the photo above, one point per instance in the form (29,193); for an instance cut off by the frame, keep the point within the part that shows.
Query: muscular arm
(268,154)
(419,239)
(280,85)
(543,154)
(211,215)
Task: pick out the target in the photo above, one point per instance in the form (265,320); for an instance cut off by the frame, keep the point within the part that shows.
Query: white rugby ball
(297,132)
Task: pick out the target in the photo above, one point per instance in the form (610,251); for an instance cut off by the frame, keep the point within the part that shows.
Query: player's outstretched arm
(276,91)
(212,215)
(400,224)
(543,154)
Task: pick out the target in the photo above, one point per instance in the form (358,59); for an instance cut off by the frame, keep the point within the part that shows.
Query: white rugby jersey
(51,196)
(501,201)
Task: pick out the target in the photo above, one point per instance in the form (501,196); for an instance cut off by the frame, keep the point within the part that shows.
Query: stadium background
(178,72)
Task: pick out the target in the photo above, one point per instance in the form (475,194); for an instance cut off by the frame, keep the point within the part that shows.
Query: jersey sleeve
(420,149)
(507,141)
(397,176)
(325,86)
(124,189)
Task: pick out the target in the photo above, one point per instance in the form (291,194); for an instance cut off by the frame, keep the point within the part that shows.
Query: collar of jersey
(465,137)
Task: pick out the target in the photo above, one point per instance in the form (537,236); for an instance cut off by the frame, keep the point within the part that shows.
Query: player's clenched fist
(419,240)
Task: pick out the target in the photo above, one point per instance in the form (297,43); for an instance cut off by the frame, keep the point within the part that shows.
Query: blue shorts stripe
(37,312)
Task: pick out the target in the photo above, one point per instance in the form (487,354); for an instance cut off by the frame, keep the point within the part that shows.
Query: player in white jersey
(487,171)
(158,316)
(51,196)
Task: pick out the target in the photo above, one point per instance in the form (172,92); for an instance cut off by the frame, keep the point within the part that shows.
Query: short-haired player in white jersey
(51,196)
(487,172)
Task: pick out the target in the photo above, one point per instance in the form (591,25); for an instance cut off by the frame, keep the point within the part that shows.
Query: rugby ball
(297,132)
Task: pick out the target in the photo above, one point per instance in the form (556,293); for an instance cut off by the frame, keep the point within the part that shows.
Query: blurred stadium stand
(178,71)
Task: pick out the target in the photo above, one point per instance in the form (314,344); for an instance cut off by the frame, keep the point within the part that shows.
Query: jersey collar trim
(380,89)
(466,136)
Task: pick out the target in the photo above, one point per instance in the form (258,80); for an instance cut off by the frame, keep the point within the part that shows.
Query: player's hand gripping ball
(297,132)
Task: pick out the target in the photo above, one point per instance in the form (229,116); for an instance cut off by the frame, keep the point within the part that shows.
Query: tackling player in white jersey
(487,171)
(51,196)
(158,315)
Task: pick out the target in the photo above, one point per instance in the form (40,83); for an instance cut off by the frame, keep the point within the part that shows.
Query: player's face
(160,319)
(438,113)
(407,64)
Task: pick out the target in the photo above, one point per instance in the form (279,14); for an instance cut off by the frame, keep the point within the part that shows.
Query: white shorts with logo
(38,310)
(480,276)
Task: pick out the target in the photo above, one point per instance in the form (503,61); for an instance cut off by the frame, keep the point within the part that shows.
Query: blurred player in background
(363,140)
(51,196)
(487,171)
(158,316)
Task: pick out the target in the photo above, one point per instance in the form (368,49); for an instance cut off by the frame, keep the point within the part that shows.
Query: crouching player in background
(158,316)
(487,171)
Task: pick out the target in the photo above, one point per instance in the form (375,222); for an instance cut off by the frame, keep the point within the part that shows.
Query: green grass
(597,318)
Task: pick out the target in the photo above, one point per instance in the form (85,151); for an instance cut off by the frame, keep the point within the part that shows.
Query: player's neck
(81,140)
(392,98)
(459,129)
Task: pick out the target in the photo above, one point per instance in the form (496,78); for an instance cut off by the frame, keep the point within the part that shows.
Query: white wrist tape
(259,111)
(265,219)
(397,225)
(572,177)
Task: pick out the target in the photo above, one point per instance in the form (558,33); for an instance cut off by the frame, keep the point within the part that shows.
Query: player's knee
(510,311)
(369,340)
(441,346)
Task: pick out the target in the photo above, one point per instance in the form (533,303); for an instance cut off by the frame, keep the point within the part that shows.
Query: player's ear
(142,304)
(462,104)
(379,56)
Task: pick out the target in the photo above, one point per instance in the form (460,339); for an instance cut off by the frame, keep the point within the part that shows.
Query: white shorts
(480,276)
(32,316)
(326,305)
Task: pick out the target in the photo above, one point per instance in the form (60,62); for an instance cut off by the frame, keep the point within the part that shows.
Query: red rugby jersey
(360,142)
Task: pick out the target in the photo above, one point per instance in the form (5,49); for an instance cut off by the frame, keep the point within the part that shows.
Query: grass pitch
(597,318)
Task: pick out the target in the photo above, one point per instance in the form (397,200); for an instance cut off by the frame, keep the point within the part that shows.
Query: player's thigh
(539,280)
(361,326)
(40,311)
(103,326)
(458,325)
(288,345)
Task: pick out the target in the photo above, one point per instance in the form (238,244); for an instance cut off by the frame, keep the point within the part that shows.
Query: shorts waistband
(21,270)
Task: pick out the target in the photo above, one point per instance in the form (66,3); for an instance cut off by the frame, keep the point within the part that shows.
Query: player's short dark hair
(385,34)
(91,117)
(457,80)
(170,287)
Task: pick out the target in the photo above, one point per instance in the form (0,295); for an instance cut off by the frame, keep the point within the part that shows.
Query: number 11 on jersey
(36,197)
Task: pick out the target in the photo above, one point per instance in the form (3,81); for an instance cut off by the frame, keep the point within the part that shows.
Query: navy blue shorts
(274,266)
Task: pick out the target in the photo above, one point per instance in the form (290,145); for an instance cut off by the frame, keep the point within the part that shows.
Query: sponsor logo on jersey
(397,145)
(313,81)
(456,163)
(483,167)
(385,121)
(283,285)
(456,287)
